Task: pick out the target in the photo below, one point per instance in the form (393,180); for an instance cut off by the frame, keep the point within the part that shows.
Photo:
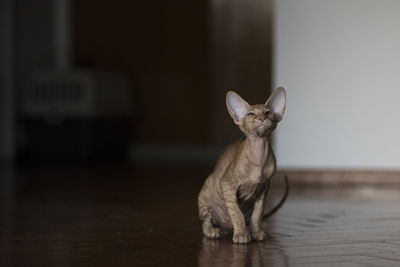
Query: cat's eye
(267,113)
(251,114)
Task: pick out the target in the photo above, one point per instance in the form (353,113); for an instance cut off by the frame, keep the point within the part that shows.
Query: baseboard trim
(342,177)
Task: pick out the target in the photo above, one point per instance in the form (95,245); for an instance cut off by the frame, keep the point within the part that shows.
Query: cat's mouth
(261,126)
(261,130)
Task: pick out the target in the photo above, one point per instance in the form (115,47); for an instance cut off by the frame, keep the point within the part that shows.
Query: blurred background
(146,81)
(112,114)
(133,80)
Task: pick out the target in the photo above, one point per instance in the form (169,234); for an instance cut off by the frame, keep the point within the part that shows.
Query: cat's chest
(250,191)
(253,182)
(254,174)
(258,174)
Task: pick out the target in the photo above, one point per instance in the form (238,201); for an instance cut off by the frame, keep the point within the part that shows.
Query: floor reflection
(7,205)
(116,216)
(224,253)
(7,194)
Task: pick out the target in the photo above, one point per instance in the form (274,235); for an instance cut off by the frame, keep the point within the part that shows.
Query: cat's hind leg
(208,228)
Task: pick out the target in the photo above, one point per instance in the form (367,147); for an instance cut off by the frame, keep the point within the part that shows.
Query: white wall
(340,63)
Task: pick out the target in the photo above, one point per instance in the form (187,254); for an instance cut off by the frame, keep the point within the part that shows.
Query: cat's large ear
(237,107)
(277,103)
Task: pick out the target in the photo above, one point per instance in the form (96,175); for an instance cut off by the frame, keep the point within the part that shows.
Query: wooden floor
(126,216)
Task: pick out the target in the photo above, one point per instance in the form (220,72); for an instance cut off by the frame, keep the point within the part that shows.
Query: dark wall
(182,57)
(240,59)
(7,101)
(160,45)
(34,37)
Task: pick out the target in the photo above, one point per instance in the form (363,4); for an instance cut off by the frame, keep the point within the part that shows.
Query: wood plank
(148,217)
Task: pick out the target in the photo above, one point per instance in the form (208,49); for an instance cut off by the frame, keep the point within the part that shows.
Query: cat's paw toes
(241,238)
(258,235)
(212,233)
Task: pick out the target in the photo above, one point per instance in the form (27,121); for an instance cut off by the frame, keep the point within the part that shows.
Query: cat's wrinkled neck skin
(255,161)
(257,150)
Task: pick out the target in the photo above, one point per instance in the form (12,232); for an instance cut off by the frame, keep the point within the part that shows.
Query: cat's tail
(281,202)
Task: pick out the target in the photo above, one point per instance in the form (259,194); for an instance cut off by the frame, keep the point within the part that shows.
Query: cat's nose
(262,119)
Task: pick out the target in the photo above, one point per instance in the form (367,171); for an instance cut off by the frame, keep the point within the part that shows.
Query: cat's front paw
(258,235)
(212,233)
(241,238)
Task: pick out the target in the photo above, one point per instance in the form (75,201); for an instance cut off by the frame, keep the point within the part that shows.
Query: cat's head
(257,120)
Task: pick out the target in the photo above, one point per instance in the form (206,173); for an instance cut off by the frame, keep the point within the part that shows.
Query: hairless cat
(233,196)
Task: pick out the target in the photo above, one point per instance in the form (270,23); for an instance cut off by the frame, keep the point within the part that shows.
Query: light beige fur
(232,197)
